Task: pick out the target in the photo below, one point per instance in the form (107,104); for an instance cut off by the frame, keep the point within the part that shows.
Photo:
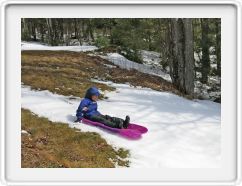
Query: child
(88,110)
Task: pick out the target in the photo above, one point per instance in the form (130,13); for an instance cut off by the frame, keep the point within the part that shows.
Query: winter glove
(85,109)
(78,120)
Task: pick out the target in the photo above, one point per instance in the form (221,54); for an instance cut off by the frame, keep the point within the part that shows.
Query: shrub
(102,42)
(132,55)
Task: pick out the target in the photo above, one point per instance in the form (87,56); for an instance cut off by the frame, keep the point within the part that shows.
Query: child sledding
(88,113)
(88,110)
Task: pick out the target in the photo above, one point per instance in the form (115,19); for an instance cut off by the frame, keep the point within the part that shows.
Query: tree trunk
(67,32)
(62,30)
(50,31)
(182,62)
(42,32)
(25,31)
(189,57)
(33,30)
(75,28)
(90,30)
(218,45)
(205,50)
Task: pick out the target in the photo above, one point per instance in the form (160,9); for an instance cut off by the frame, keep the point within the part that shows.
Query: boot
(126,122)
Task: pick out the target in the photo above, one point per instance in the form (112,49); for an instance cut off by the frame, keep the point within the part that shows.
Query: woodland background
(189,49)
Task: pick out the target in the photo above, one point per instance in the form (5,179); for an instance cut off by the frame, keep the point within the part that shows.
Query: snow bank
(151,58)
(211,90)
(38,46)
(122,62)
(182,133)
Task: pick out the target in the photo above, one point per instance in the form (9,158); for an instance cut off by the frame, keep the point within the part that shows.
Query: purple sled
(134,131)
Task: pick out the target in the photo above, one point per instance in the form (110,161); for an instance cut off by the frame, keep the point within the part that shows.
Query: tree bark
(25,31)
(33,30)
(182,63)
(218,45)
(205,50)
(50,31)
(189,57)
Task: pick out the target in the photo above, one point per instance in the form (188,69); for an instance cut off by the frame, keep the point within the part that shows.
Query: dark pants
(108,120)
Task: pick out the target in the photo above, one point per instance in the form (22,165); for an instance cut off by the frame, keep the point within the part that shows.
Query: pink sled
(134,131)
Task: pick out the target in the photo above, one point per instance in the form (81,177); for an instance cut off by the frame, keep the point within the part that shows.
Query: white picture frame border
(238,6)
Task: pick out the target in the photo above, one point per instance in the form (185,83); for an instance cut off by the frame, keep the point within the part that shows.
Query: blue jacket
(87,102)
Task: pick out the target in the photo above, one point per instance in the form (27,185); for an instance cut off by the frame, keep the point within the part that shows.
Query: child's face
(94,98)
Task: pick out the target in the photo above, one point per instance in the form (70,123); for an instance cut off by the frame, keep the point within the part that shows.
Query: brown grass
(70,73)
(59,72)
(57,145)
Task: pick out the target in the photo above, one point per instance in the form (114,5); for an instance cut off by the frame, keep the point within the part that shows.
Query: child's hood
(91,92)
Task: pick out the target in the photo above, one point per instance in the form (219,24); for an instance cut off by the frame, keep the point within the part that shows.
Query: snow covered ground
(123,62)
(182,133)
(38,46)
(151,58)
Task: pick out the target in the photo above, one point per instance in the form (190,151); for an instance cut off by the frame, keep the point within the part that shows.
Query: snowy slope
(123,62)
(182,133)
(38,46)
(151,58)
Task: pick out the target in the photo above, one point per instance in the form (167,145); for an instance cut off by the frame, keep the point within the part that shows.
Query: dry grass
(57,145)
(70,73)
(66,73)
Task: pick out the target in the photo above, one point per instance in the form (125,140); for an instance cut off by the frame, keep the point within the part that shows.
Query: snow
(38,46)
(124,63)
(213,59)
(109,66)
(197,58)
(151,58)
(24,132)
(211,90)
(214,66)
(182,133)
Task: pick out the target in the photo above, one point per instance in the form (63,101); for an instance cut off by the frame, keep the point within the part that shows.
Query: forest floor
(177,127)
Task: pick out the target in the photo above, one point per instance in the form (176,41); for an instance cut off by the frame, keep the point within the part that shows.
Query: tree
(127,33)
(189,57)
(205,50)
(33,29)
(50,31)
(218,45)
(24,29)
(182,62)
